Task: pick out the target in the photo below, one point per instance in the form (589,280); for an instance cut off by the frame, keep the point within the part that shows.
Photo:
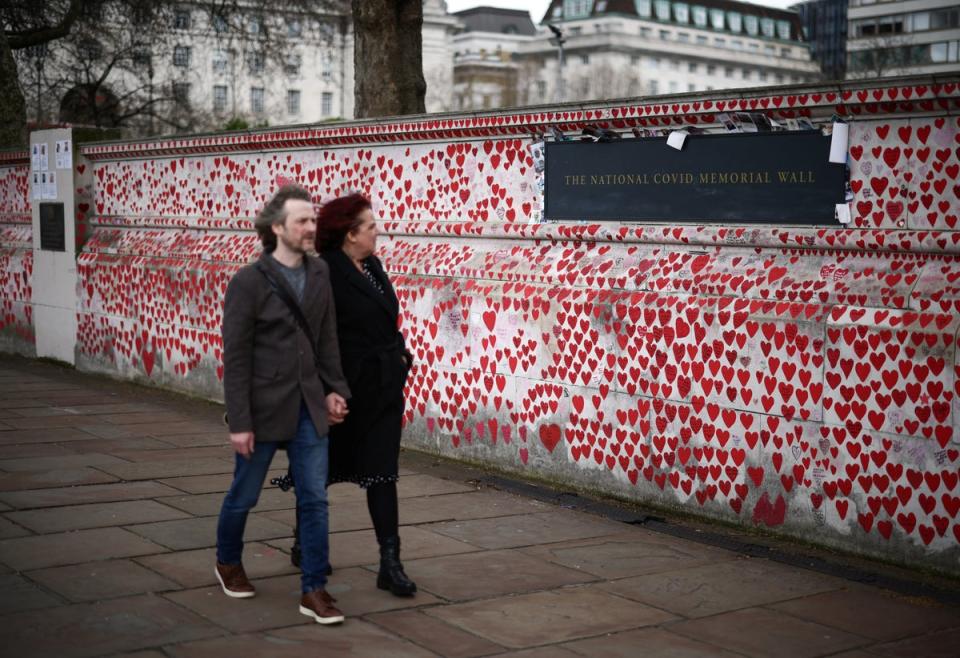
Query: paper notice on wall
(843,213)
(64,156)
(49,182)
(44,160)
(838,143)
(676,139)
(35,157)
(36,191)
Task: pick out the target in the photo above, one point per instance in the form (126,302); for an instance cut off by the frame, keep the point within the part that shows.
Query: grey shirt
(295,276)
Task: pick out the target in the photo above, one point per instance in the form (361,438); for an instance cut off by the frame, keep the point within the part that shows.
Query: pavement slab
(528,529)
(59,462)
(354,638)
(350,549)
(36,552)
(101,628)
(940,644)
(194,568)
(488,574)
(760,633)
(633,552)
(434,634)
(856,610)
(10,529)
(559,615)
(201,532)
(106,579)
(18,594)
(153,470)
(650,641)
(96,515)
(61,477)
(708,590)
(95,493)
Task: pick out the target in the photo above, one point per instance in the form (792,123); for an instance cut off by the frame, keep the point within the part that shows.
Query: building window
(786,52)
(542,89)
(662,9)
(783,30)
(683,37)
(255,25)
(654,63)
(728,72)
(221,61)
(736,44)
(291,65)
(701,40)
(577,8)
(691,86)
(635,60)
(673,86)
(664,35)
(646,32)
(181,93)
(711,69)
(326,103)
(643,8)
(256,100)
(293,101)
(779,79)
(219,24)
(256,62)
(654,87)
(767,27)
(734,21)
(181,19)
(763,76)
(681,12)
(584,59)
(716,19)
(720,43)
(700,16)
(294,28)
(751,25)
(692,67)
(181,56)
(746,74)
(219,98)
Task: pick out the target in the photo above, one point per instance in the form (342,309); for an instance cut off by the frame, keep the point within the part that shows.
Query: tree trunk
(388,58)
(13,110)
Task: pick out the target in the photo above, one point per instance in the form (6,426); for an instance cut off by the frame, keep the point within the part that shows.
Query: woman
(365,448)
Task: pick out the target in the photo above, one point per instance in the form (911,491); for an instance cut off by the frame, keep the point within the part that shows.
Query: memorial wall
(796,375)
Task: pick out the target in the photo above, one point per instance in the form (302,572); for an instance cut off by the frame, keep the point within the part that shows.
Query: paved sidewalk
(108,503)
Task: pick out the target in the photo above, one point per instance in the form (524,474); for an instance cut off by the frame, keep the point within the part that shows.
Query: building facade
(486,73)
(902,37)
(617,48)
(825,29)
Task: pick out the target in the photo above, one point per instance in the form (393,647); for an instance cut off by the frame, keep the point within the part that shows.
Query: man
(282,385)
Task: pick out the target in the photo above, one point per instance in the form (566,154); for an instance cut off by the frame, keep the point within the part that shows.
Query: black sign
(776,178)
(52,230)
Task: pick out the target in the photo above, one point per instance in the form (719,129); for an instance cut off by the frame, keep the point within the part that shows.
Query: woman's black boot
(391,576)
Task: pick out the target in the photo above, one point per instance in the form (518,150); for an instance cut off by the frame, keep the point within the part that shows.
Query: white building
(217,73)
(485,70)
(903,37)
(617,48)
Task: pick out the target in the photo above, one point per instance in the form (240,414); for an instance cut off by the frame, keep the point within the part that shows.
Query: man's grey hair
(275,213)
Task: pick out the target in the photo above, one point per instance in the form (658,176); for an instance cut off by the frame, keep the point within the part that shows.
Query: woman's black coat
(366,446)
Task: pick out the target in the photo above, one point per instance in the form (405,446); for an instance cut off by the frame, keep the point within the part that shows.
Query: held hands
(242,443)
(336,409)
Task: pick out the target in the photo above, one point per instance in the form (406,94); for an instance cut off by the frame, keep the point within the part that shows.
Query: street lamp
(558,40)
(38,54)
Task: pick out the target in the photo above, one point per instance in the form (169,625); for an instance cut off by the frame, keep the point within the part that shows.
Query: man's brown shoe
(233,580)
(319,605)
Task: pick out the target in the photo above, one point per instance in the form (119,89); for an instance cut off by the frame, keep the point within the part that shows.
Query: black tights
(382,503)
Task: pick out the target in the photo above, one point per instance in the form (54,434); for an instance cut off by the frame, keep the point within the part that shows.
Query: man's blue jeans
(308,457)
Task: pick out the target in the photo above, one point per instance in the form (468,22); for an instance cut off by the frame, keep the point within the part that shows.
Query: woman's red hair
(338,217)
